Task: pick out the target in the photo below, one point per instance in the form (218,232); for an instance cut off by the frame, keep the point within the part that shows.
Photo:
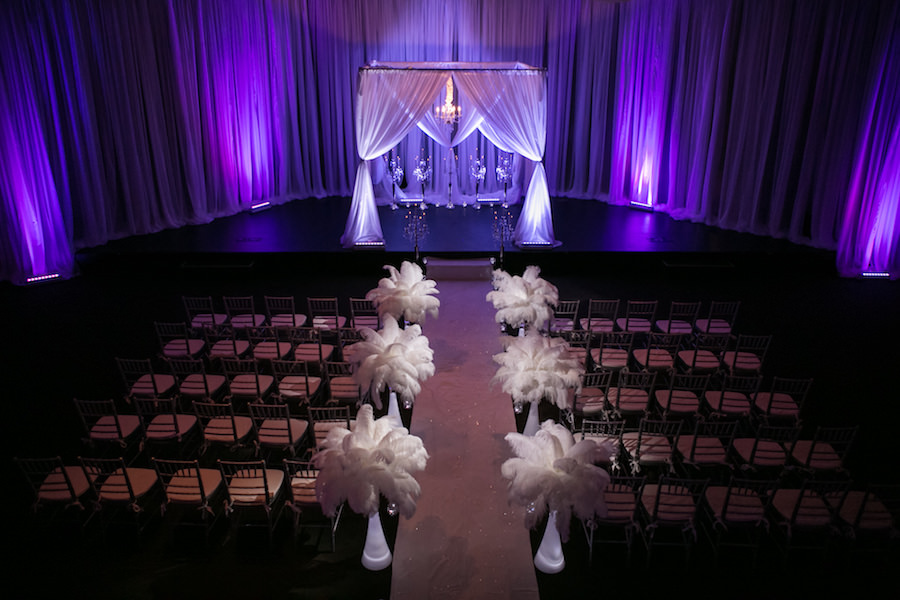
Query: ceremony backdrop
(776,117)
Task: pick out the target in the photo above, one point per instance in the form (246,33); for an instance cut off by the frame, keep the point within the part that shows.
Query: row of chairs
(742,512)
(714,353)
(644,316)
(241,379)
(630,395)
(278,311)
(118,491)
(264,342)
(160,424)
(718,448)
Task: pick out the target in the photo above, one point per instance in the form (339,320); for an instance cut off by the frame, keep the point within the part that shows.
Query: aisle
(464,541)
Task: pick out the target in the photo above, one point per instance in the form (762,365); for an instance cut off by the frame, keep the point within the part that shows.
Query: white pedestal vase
(394,409)
(549,557)
(376,553)
(533,422)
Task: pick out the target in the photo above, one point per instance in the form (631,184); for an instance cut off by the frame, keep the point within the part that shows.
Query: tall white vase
(533,422)
(394,409)
(549,557)
(376,553)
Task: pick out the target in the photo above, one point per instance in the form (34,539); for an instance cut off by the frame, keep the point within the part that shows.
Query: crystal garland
(504,172)
(478,171)
(423,174)
(395,172)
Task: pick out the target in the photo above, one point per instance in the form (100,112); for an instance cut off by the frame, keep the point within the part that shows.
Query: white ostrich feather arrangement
(525,299)
(553,472)
(405,294)
(534,367)
(394,357)
(375,459)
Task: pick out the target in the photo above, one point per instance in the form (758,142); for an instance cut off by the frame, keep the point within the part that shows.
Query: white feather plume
(553,472)
(535,367)
(395,358)
(405,294)
(526,299)
(375,459)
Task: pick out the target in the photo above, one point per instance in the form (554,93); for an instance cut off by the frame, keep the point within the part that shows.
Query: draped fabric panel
(509,104)
(389,105)
(123,118)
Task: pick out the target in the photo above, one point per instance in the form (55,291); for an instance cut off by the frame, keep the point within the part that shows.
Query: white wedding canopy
(506,102)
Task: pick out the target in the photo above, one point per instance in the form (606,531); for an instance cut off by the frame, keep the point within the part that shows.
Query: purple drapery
(774,117)
(870,231)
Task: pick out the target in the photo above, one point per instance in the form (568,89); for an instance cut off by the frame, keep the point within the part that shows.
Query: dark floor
(62,337)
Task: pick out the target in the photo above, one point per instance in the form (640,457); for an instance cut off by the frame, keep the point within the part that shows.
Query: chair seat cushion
(654,358)
(599,325)
(295,386)
(590,401)
(638,325)
(675,504)
(707,450)
(700,361)
(728,402)
(186,347)
(620,506)
(248,320)
(288,320)
(768,452)
(742,507)
(303,490)
(309,352)
(110,427)
(271,350)
(823,457)
(741,361)
(200,385)
(115,487)
(875,516)
(153,385)
(206,319)
(674,326)
(813,512)
(221,429)
(248,385)
(250,489)
(654,448)
(170,426)
(280,432)
(628,399)
(610,358)
(777,405)
(678,401)
(328,322)
(228,348)
(713,326)
(55,489)
(185,488)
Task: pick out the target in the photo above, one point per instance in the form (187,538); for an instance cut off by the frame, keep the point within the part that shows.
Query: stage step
(470,269)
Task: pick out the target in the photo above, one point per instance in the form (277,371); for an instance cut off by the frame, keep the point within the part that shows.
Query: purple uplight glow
(645,185)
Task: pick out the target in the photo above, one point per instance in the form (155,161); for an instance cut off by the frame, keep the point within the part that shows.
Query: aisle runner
(464,541)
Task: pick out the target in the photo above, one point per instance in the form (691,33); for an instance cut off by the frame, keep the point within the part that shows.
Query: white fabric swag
(507,102)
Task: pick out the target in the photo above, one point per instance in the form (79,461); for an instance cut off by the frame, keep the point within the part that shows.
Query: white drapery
(507,102)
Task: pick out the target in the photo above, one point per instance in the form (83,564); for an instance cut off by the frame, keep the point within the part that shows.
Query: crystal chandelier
(447,112)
